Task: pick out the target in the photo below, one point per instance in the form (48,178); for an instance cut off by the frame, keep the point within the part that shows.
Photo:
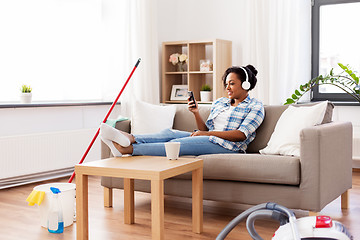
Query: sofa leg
(108,197)
(345,200)
(311,213)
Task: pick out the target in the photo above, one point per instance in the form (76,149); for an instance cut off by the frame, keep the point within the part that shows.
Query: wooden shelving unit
(218,51)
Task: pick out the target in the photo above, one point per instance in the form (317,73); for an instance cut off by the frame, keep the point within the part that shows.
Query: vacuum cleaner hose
(264,214)
(268,210)
(292,218)
(228,228)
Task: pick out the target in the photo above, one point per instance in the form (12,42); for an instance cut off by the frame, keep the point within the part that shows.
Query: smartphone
(191,95)
(192,98)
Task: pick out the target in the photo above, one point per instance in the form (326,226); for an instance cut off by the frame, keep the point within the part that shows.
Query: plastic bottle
(55,222)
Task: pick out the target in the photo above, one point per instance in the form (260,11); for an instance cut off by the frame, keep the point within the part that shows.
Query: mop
(36,197)
(104,121)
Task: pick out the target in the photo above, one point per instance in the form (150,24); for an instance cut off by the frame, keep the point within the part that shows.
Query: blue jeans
(153,144)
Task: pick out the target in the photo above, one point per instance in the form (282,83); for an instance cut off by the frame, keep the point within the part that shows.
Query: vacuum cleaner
(306,228)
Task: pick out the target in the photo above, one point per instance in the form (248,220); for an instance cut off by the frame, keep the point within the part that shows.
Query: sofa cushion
(184,119)
(272,114)
(263,133)
(150,118)
(250,168)
(285,140)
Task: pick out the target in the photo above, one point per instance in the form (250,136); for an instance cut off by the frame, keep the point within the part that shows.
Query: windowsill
(346,103)
(52,104)
(336,103)
(343,103)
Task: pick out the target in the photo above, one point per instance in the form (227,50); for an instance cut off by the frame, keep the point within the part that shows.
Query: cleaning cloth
(35,197)
(112,122)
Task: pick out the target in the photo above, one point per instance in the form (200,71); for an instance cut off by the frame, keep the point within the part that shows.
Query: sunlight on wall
(60,48)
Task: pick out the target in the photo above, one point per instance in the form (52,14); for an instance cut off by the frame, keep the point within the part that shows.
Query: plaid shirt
(245,117)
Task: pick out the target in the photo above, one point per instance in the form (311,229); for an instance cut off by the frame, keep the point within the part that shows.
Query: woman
(229,128)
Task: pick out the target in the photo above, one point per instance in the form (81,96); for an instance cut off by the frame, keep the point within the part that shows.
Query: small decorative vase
(181,67)
(25,97)
(205,96)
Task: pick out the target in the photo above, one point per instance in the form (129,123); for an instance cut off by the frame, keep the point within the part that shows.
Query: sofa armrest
(326,162)
(123,126)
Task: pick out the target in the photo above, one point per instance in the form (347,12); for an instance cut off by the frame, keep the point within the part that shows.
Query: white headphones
(246,84)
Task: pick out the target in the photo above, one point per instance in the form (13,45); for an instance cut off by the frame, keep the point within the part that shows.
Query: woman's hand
(231,135)
(192,106)
(200,133)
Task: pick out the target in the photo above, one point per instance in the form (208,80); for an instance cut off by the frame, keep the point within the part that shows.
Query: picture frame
(179,92)
(205,65)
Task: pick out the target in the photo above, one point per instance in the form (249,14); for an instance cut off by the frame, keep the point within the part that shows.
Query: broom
(106,117)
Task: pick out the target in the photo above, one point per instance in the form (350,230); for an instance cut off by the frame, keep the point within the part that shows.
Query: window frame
(315,46)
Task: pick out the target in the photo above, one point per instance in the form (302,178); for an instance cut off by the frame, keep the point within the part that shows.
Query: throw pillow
(285,140)
(149,118)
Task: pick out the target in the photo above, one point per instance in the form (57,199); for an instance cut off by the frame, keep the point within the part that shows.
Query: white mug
(172,150)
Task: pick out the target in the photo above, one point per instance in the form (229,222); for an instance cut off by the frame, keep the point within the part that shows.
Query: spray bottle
(55,221)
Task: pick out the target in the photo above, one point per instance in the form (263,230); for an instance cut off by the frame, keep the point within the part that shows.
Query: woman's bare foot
(113,134)
(123,150)
(129,136)
(112,147)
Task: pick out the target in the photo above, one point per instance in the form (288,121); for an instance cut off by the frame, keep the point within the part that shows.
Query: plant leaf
(289,101)
(347,80)
(342,66)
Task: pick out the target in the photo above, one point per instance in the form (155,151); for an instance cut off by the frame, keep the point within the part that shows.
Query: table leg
(82,223)
(129,210)
(157,209)
(108,197)
(197,200)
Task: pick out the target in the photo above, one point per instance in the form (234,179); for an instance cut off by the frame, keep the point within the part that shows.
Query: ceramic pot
(205,96)
(25,97)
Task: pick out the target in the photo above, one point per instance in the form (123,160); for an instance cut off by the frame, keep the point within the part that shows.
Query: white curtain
(278,44)
(141,42)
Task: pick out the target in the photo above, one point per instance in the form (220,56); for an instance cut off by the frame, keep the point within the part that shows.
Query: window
(66,50)
(335,39)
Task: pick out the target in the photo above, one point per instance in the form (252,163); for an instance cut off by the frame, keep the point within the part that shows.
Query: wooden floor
(18,221)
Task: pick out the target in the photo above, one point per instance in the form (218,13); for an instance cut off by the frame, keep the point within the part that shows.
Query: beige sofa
(322,173)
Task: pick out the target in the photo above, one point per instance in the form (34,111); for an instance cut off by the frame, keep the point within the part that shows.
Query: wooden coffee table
(155,169)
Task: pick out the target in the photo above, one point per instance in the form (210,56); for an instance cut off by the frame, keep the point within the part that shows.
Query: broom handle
(105,119)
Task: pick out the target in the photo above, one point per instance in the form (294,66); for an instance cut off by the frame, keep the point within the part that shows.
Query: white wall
(202,19)
(349,113)
(352,114)
(30,120)
(36,120)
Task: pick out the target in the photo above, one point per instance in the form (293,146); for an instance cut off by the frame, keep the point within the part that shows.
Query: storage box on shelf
(218,51)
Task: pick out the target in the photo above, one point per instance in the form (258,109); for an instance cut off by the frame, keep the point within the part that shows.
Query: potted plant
(26,95)
(346,81)
(205,93)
